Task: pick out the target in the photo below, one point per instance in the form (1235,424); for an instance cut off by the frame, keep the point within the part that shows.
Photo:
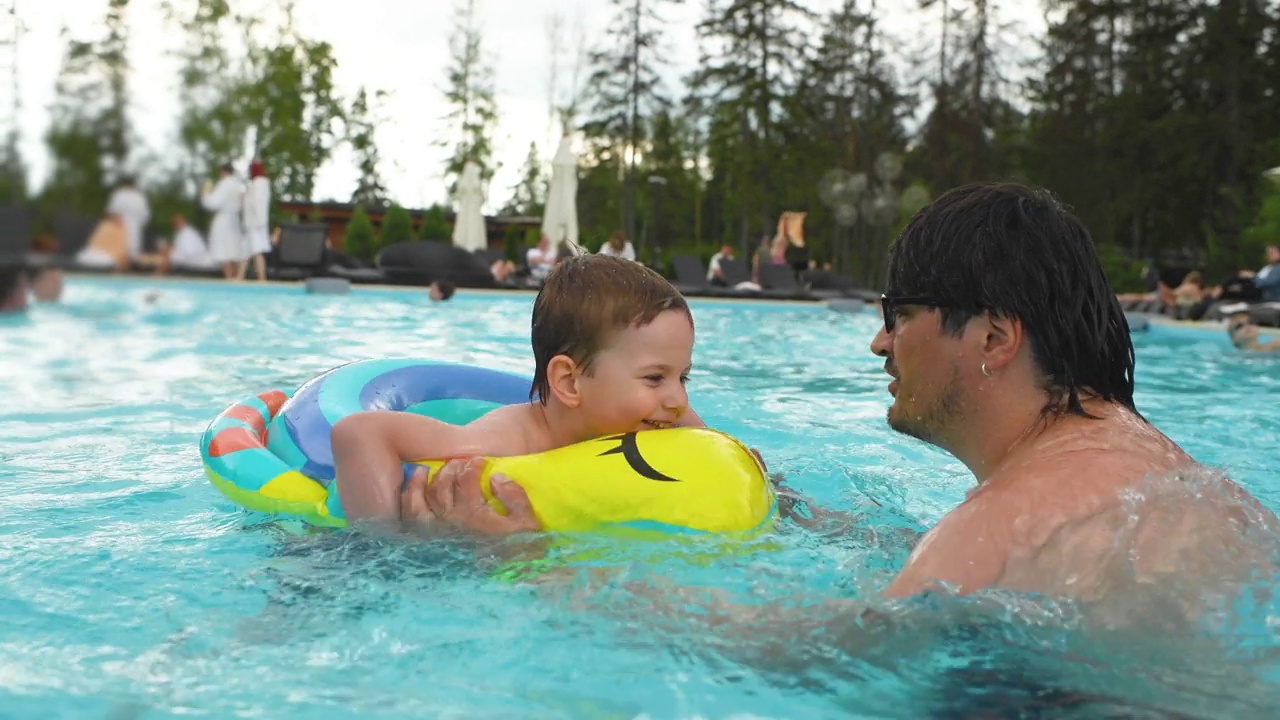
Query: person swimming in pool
(1006,347)
(1244,335)
(612,344)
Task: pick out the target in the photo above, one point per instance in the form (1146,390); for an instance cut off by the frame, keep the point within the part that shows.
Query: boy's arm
(369,450)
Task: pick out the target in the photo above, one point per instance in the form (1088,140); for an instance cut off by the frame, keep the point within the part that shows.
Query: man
(1007,348)
(715,275)
(441,290)
(1267,280)
(1244,334)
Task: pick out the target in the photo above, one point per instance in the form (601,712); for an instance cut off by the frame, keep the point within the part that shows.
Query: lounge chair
(422,262)
(779,281)
(691,275)
(15,234)
(736,272)
(300,254)
(72,231)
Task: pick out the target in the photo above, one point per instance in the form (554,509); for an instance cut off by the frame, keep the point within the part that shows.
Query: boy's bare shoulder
(506,431)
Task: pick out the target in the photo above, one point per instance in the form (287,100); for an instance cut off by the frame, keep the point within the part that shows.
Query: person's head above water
(13,287)
(996,279)
(613,339)
(441,290)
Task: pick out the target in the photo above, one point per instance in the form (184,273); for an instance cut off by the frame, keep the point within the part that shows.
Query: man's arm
(1268,278)
(370,448)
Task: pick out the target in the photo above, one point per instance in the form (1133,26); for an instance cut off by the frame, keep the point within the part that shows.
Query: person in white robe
(129,204)
(256,216)
(227,246)
(188,251)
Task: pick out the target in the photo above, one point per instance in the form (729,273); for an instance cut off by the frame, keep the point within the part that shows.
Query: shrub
(434,226)
(360,242)
(397,226)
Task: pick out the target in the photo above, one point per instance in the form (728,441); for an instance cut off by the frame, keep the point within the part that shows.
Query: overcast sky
(399,46)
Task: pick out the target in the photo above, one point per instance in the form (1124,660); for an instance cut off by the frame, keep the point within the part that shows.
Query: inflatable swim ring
(271,453)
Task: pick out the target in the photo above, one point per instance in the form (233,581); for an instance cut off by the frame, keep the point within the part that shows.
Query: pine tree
(360,240)
(213,126)
(397,225)
(469,93)
(361,130)
(625,92)
(750,53)
(529,195)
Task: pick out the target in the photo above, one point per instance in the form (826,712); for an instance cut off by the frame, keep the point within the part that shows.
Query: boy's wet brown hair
(584,301)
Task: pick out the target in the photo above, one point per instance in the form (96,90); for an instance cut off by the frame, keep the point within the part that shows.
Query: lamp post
(656,182)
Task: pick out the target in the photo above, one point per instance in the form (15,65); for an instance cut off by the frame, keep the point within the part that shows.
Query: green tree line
(1153,119)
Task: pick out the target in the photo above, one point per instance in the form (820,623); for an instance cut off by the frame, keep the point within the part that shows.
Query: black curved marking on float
(630,452)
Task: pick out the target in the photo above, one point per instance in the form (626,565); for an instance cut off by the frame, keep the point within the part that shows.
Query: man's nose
(881,344)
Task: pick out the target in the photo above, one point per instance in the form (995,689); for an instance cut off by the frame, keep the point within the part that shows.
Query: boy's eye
(654,378)
(684,379)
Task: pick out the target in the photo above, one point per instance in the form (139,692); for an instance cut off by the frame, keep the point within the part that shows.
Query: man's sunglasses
(888,305)
(1237,327)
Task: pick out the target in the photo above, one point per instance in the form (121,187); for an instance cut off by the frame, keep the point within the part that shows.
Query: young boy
(612,346)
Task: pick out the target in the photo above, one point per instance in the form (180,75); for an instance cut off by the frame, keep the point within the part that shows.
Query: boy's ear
(562,377)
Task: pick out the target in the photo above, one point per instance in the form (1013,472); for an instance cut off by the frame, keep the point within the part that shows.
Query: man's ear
(1002,340)
(562,377)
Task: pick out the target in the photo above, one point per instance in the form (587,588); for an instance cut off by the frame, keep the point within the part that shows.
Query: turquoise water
(129,588)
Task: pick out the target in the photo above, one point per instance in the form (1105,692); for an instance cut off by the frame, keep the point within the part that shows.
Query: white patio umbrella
(560,219)
(468,226)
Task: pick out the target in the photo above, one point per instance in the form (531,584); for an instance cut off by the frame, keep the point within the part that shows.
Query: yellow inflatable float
(676,480)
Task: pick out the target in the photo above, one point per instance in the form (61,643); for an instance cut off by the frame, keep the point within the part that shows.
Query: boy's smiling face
(637,381)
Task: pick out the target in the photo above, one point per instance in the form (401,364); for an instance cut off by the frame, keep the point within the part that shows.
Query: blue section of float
(301,434)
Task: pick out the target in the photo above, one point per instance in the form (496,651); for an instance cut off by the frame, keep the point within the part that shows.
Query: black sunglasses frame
(887,304)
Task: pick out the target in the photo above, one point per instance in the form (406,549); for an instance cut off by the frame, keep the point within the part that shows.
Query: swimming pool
(130,588)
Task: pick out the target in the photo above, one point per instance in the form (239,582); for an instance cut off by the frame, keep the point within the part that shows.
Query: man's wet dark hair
(447,288)
(1017,252)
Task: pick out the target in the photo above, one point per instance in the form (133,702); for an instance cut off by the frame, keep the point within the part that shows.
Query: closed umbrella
(468,227)
(560,220)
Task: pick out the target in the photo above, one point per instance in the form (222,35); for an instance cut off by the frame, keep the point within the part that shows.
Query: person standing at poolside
(256,216)
(1008,349)
(129,205)
(226,241)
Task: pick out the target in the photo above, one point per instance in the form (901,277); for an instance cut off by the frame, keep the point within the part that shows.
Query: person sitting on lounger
(541,259)
(187,251)
(108,246)
(715,274)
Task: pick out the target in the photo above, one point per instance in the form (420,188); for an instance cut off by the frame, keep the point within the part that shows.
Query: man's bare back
(1091,506)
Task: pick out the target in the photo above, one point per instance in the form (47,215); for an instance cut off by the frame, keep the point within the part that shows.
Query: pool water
(129,588)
